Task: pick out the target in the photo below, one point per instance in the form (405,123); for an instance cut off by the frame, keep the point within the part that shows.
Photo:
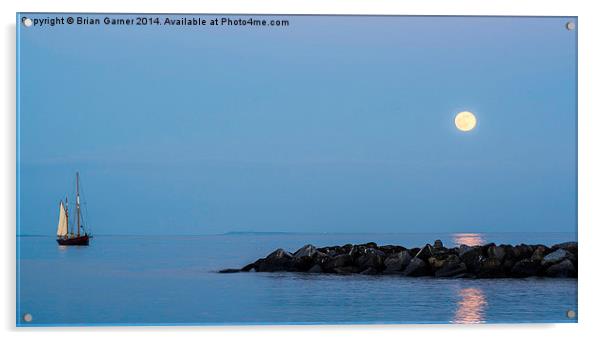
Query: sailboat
(66,237)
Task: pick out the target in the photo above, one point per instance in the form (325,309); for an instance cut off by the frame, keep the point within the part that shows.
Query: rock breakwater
(482,261)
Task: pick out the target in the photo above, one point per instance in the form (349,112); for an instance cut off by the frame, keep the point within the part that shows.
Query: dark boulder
(336,262)
(321,258)
(540,252)
(471,256)
(416,267)
(307,250)
(564,268)
(302,264)
(464,249)
(436,262)
(451,270)
(425,252)
(556,256)
(371,245)
(229,271)
(248,268)
(371,258)
(525,268)
(486,247)
(303,259)
(438,244)
(442,252)
(331,251)
(315,269)
(397,262)
(524,251)
(490,268)
(391,249)
(356,251)
(279,254)
(496,252)
(507,266)
(279,260)
(571,247)
(346,248)
(519,252)
(451,267)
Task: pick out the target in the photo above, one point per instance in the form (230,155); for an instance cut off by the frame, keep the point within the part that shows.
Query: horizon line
(317,233)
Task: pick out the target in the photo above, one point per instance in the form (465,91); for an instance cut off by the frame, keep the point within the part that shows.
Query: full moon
(465,121)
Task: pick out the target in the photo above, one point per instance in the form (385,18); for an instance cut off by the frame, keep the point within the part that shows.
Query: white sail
(62,228)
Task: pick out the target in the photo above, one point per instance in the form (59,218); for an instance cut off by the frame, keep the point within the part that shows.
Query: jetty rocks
(481,261)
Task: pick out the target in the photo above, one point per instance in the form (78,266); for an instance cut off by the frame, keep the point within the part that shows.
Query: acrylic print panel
(235,169)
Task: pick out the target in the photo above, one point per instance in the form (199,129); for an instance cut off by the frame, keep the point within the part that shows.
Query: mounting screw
(571,314)
(27,22)
(570,25)
(27,317)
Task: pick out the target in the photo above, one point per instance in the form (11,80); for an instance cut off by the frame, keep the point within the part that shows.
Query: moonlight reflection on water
(469,239)
(471,307)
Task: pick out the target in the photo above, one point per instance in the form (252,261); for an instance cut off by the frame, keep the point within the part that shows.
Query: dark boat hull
(74,241)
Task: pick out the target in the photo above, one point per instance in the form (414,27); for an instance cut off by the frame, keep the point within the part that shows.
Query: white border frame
(590,168)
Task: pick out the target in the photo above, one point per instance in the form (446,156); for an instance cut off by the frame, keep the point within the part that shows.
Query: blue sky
(333,124)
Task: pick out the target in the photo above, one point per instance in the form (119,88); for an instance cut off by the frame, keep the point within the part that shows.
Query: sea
(173,280)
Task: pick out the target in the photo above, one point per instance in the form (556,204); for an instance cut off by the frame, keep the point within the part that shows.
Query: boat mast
(77,199)
(67,213)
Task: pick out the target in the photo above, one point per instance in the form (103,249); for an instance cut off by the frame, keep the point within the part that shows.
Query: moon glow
(465,121)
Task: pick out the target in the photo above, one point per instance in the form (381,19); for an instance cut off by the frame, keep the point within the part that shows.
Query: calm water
(171,280)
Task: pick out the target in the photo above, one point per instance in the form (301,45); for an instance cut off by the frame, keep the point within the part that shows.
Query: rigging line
(85,206)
